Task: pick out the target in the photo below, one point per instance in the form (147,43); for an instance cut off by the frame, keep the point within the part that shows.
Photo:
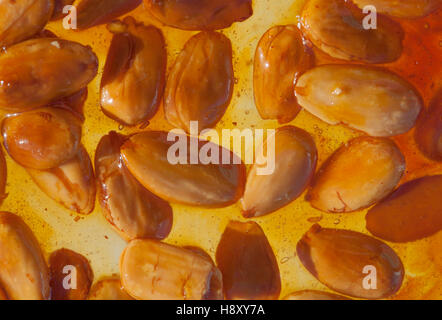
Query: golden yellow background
(93,237)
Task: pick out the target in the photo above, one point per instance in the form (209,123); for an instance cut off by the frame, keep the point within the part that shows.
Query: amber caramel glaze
(92,236)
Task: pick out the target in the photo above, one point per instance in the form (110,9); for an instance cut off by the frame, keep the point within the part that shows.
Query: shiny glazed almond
(336,27)
(108,289)
(428,132)
(72,184)
(200,14)
(58,8)
(376,165)
(23,271)
(280,58)
(42,139)
(38,71)
(20,20)
(295,164)
(314,295)
(134,76)
(61,263)
(151,270)
(95,12)
(3,177)
(338,259)
(126,204)
(247,262)
(200,84)
(372,100)
(3,295)
(412,212)
(403,8)
(212,185)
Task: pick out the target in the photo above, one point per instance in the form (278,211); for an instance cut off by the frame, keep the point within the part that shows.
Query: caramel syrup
(92,236)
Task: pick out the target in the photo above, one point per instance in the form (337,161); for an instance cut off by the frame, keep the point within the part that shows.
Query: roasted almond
(134,76)
(30,75)
(376,165)
(342,260)
(200,15)
(95,12)
(402,9)
(58,8)
(337,28)
(200,84)
(71,275)
(3,295)
(314,295)
(20,20)
(429,130)
(147,156)
(247,262)
(42,139)
(133,210)
(280,58)
(24,274)
(372,100)
(151,270)
(108,289)
(72,184)
(295,164)
(412,212)
(3,177)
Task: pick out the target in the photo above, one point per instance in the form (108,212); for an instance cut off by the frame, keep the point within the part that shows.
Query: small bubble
(337,221)
(285,260)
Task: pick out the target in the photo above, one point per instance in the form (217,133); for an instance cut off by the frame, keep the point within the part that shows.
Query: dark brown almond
(247,262)
(412,212)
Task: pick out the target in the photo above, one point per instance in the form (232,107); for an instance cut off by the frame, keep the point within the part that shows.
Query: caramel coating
(410,9)
(428,132)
